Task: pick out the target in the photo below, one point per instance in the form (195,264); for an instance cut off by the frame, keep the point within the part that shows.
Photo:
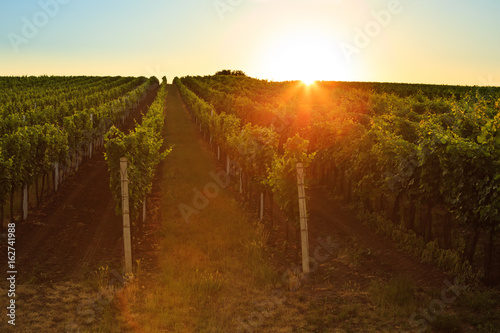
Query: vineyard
(142,148)
(49,124)
(421,162)
(417,164)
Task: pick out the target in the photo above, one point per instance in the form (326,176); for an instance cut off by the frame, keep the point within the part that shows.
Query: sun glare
(306,55)
(308,81)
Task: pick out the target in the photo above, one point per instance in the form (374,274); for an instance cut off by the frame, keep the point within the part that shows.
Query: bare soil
(375,255)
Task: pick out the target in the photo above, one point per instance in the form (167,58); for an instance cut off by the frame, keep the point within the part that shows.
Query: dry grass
(58,307)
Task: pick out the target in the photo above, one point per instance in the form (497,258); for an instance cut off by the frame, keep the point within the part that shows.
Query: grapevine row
(29,152)
(255,152)
(428,163)
(143,149)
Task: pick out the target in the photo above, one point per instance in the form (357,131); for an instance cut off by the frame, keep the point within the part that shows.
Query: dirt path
(56,247)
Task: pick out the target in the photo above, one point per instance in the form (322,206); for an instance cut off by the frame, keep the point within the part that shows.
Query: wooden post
(56,176)
(218,152)
(126,216)
(303,218)
(25,202)
(144,211)
(228,164)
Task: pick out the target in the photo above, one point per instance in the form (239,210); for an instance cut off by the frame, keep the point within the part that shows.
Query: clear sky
(417,41)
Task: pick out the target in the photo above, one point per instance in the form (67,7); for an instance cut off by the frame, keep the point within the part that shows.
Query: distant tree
(230,72)
(238,73)
(224,72)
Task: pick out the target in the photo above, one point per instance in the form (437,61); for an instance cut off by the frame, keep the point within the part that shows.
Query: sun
(308,81)
(306,55)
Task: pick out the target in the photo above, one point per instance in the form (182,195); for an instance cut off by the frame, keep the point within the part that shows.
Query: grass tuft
(397,295)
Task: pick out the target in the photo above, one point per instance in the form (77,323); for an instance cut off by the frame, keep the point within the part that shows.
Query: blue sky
(424,41)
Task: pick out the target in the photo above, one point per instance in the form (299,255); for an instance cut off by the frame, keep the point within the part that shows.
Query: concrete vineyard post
(25,202)
(126,216)
(303,218)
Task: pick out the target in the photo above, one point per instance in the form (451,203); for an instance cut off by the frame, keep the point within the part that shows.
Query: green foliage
(282,175)
(432,146)
(254,148)
(408,241)
(5,176)
(142,148)
(46,119)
